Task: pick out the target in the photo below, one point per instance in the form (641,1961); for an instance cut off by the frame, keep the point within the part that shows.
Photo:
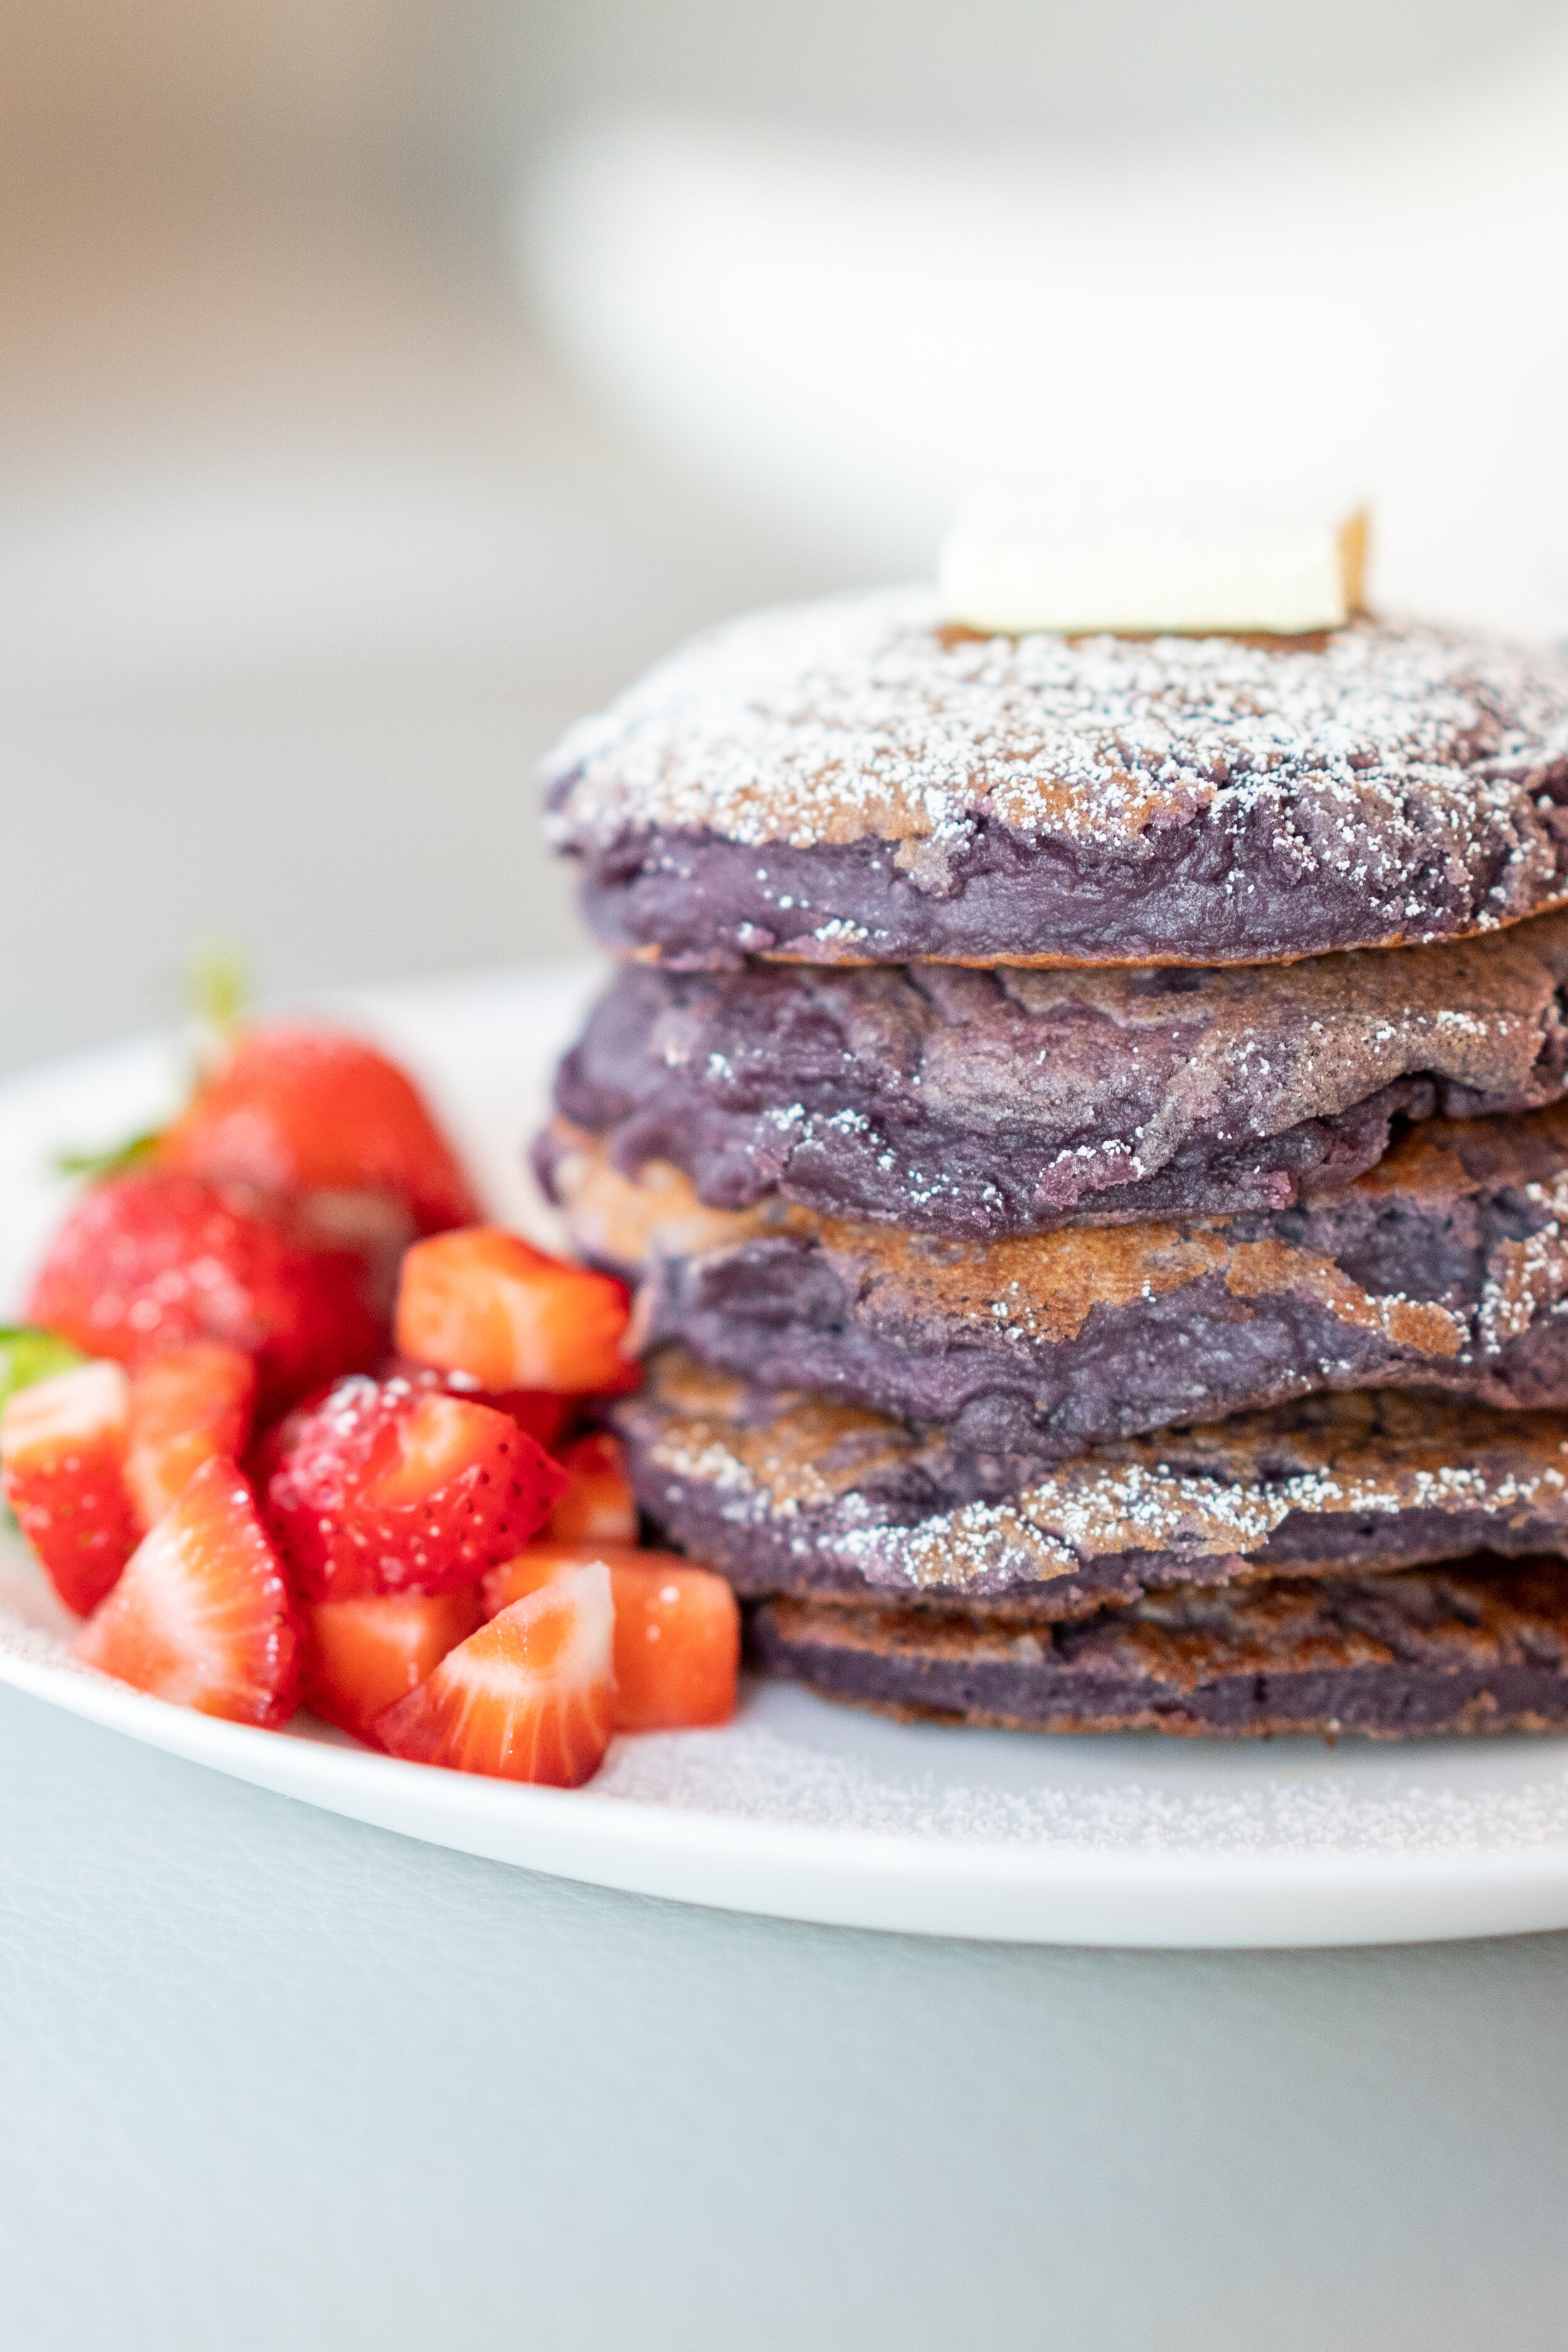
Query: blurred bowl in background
(1009,71)
(844,340)
(839,335)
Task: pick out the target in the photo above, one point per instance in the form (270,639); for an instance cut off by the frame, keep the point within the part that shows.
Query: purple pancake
(1444,1267)
(806,1496)
(979,1105)
(1472,1648)
(848,781)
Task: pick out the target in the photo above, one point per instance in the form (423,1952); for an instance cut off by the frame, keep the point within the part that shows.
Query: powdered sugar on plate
(794,1758)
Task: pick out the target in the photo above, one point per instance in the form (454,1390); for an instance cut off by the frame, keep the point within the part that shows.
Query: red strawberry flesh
(599,1506)
(489,1304)
(677,1629)
(62,1448)
(530,1696)
(383,1488)
(202,1615)
(541,1413)
(185,1407)
(364,1656)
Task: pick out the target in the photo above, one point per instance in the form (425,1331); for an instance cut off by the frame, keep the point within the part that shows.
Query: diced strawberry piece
(362,1655)
(530,1696)
(62,1454)
(383,1488)
(315,1110)
(677,1646)
(544,1560)
(677,1629)
(185,1407)
(599,1506)
(203,1616)
(539,1411)
(489,1304)
(147,1262)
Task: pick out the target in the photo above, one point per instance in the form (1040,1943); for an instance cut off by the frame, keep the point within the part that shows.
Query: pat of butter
(1279,579)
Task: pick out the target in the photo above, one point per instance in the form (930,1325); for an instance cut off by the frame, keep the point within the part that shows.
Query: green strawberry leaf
(216,990)
(27,1355)
(217,995)
(114,1162)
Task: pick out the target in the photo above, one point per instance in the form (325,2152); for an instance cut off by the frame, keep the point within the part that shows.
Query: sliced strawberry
(530,1696)
(489,1304)
(362,1655)
(203,1616)
(316,1110)
(185,1407)
(677,1629)
(62,1452)
(147,1261)
(541,1413)
(383,1488)
(599,1506)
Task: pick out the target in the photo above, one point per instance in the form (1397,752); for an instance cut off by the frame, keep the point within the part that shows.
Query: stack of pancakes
(1088,1122)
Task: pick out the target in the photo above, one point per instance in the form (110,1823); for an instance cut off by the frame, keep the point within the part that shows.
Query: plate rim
(833,1876)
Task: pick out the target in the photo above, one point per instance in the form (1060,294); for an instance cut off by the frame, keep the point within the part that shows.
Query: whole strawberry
(315,1110)
(381,1486)
(149,1260)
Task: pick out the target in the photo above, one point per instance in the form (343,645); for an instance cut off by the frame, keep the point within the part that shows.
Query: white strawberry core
(563,1634)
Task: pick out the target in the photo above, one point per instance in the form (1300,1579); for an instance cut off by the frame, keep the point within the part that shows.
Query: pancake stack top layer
(881,1134)
(849,781)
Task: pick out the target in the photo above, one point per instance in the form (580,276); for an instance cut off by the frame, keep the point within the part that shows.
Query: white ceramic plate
(805,1810)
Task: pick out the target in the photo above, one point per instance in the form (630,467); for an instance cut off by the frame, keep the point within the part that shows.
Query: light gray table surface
(269,2079)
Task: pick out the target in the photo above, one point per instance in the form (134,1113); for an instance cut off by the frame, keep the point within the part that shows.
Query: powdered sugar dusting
(858,717)
(1219,1492)
(794,1758)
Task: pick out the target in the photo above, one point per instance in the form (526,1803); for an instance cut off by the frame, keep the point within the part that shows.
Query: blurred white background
(383,382)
